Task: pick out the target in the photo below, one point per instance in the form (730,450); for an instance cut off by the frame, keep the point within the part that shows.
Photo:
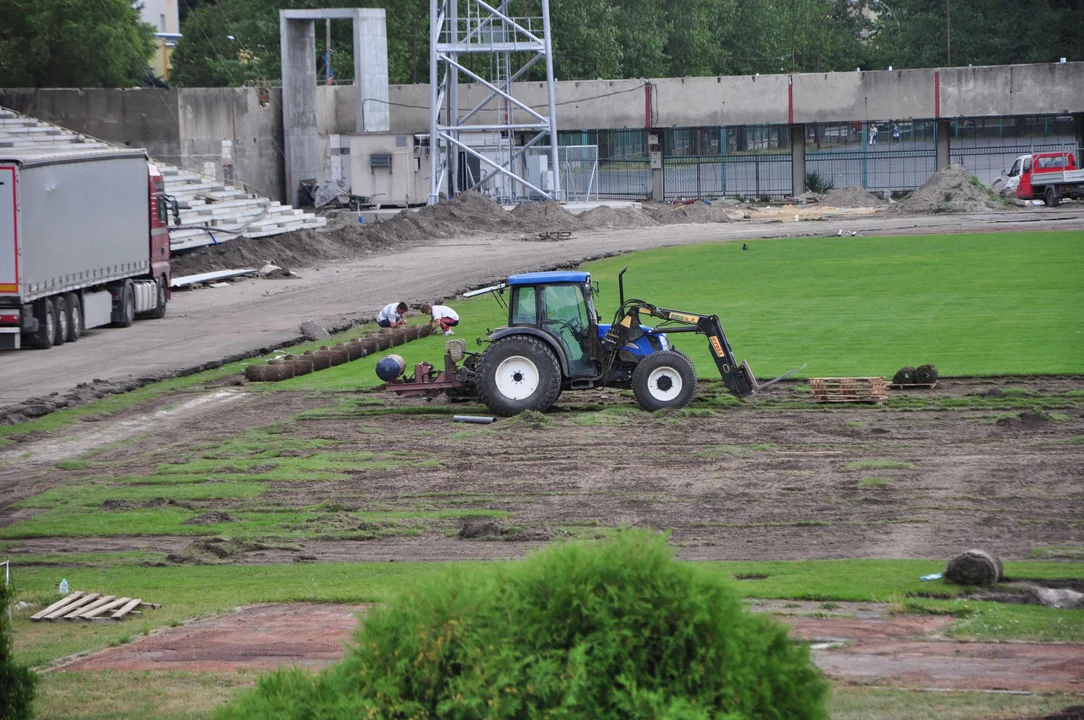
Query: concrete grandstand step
(204,202)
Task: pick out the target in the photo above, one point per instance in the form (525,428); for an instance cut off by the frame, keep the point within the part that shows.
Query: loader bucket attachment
(747,374)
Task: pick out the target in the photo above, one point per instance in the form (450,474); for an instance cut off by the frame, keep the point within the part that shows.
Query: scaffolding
(514,46)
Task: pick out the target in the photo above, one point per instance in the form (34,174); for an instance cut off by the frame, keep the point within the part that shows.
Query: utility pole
(328,73)
(948,30)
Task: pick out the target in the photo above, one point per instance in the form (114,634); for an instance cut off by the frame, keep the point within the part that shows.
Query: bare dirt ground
(776,478)
(205,326)
(871,648)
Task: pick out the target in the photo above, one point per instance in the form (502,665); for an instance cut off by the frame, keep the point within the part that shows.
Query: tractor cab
(558,307)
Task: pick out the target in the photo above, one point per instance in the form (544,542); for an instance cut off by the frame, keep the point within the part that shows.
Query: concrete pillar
(371,71)
(944,134)
(658,191)
(797,159)
(301,146)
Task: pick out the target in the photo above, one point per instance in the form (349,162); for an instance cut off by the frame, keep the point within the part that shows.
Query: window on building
(162,22)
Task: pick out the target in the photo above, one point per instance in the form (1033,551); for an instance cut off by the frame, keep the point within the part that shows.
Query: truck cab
(1049,176)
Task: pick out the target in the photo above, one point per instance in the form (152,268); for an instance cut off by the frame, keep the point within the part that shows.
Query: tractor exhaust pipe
(621,285)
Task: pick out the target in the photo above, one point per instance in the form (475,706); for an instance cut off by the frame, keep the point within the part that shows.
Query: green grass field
(989,304)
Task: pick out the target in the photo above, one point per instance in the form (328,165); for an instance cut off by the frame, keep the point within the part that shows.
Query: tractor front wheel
(664,379)
(516,374)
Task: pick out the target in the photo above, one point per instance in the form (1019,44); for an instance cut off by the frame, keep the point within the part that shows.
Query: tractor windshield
(565,316)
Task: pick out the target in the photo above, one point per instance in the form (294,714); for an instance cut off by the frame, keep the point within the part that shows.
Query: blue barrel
(390,367)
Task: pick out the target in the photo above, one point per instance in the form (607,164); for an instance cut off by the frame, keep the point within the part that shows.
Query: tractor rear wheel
(518,373)
(665,379)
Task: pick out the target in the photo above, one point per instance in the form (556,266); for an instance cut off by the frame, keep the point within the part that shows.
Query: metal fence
(621,179)
(879,170)
(753,175)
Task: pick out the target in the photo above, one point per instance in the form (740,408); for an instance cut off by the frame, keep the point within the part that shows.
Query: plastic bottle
(64,586)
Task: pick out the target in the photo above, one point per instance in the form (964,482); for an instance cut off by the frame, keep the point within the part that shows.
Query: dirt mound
(210,518)
(1025,421)
(951,189)
(535,216)
(116,505)
(343,237)
(480,529)
(851,197)
(699,212)
(605,216)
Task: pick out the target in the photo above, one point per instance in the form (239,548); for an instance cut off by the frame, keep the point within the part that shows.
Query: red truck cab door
(158,208)
(1024,190)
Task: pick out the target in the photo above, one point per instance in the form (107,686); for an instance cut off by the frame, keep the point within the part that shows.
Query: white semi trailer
(84,242)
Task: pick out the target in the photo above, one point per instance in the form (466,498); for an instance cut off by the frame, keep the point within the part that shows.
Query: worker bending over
(442,316)
(392,315)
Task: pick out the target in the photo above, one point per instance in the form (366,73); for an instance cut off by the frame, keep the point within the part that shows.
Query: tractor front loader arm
(738,377)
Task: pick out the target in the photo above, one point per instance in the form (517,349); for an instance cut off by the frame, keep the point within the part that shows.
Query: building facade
(164,15)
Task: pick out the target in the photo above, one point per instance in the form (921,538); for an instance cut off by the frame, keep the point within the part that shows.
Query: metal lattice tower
(488,30)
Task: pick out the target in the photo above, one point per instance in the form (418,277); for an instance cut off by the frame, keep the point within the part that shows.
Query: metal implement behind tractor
(554,342)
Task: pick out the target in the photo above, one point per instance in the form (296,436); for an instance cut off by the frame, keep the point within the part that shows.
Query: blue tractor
(554,342)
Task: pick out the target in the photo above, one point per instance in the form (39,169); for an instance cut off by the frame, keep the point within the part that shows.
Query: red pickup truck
(1048,176)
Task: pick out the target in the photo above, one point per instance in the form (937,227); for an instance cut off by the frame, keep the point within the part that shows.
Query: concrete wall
(180,126)
(814,97)
(228,127)
(187,127)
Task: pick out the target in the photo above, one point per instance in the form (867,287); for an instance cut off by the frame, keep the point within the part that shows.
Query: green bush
(616,629)
(16,682)
(817,183)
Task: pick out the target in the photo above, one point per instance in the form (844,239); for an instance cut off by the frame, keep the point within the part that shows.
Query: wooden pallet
(913,386)
(554,236)
(849,390)
(92,606)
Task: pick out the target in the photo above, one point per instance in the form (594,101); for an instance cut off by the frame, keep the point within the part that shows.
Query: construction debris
(92,606)
(949,190)
(208,277)
(849,390)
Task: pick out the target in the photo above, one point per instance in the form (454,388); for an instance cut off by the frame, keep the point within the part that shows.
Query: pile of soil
(698,212)
(605,216)
(214,517)
(851,197)
(951,189)
(545,216)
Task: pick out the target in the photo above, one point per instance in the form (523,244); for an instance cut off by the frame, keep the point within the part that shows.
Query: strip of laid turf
(188,696)
(983,304)
(193,591)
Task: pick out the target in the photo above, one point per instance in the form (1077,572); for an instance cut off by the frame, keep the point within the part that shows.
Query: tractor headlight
(664,341)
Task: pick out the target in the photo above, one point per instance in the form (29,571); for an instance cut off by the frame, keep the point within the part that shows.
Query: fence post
(865,154)
(722,157)
(699,192)
(756,169)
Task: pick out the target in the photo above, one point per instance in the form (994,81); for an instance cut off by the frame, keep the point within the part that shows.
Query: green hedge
(16,682)
(616,629)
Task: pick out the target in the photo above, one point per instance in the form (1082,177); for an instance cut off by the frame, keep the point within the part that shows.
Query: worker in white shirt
(442,316)
(392,315)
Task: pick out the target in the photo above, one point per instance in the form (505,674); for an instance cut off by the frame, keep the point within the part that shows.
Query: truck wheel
(45,314)
(665,379)
(1051,197)
(518,373)
(163,298)
(75,317)
(124,315)
(60,311)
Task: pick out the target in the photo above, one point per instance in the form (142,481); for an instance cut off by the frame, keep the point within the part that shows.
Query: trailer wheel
(75,317)
(46,316)
(163,298)
(124,314)
(60,310)
(665,379)
(518,373)
(1051,196)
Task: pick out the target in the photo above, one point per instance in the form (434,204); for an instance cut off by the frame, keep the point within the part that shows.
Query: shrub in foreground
(616,629)
(16,682)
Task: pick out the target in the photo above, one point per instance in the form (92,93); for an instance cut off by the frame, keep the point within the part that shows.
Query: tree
(72,43)
(984,32)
